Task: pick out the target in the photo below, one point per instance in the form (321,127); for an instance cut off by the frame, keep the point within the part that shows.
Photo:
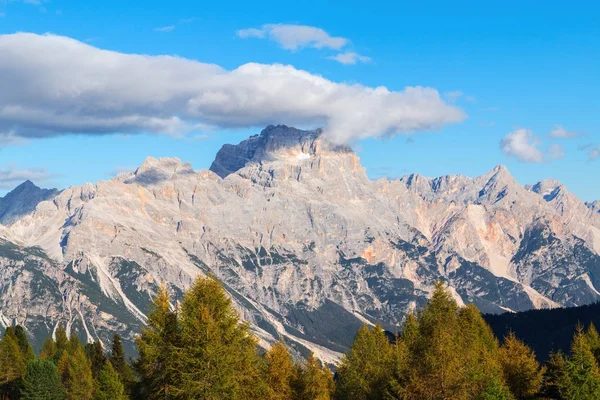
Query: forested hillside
(201,350)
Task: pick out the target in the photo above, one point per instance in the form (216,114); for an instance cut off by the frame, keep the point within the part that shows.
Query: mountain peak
(275,142)
(22,200)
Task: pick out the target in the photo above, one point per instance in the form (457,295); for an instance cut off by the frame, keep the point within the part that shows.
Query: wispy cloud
(522,145)
(165,29)
(13,175)
(559,132)
(294,37)
(594,153)
(171,28)
(349,58)
(555,152)
(132,93)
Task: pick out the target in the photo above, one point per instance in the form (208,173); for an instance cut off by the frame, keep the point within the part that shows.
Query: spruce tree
(554,376)
(157,346)
(217,356)
(120,364)
(12,364)
(42,382)
(95,353)
(24,344)
(75,370)
(366,370)
(280,372)
(108,384)
(521,369)
(581,380)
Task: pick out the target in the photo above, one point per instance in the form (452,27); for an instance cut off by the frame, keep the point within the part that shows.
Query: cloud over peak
(523,145)
(55,85)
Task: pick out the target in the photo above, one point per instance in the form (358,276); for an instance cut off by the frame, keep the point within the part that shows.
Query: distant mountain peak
(22,200)
(274,142)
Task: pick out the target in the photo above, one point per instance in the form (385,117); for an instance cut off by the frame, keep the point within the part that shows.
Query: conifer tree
(120,364)
(521,370)
(554,376)
(61,340)
(593,339)
(24,344)
(95,353)
(75,370)
(12,364)
(366,370)
(217,356)
(315,382)
(435,361)
(108,384)
(157,345)
(280,372)
(581,380)
(49,350)
(42,382)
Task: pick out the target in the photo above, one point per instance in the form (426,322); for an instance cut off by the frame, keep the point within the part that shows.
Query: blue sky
(525,76)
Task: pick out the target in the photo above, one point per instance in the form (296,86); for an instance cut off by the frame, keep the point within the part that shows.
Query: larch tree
(12,364)
(366,371)
(24,345)
(314,382)
(581,379)
(75,370)
(520,368)
(217,356)
(108,384)
(280,372)
(157,346)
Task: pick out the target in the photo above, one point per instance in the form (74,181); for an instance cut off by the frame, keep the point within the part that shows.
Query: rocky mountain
(306,244)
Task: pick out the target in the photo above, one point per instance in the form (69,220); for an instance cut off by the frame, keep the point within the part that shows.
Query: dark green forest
(201,350)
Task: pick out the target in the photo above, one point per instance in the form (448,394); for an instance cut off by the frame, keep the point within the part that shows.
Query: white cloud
(556,151)
(13,176)
(522,145)
(349,58)
(54,85)
(453,96)
(293,37)
(594,153)
(165,29)
(561,133)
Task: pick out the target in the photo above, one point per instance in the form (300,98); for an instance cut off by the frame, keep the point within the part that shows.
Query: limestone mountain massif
(306,244)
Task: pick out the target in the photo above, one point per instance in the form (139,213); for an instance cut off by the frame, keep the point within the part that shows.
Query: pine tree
(24,344)
(521,370)
(42,382)
(280,372)
(581,380)
(120,364)
(366,370)
(108,384)
(95,353)
(314,381)
(12,364)
(157,345)
(217,356)
(75,370)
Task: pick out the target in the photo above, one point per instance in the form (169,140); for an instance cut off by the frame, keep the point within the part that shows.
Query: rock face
(308,247)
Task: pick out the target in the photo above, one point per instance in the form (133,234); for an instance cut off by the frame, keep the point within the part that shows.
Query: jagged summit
(274,142)
(22,200)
